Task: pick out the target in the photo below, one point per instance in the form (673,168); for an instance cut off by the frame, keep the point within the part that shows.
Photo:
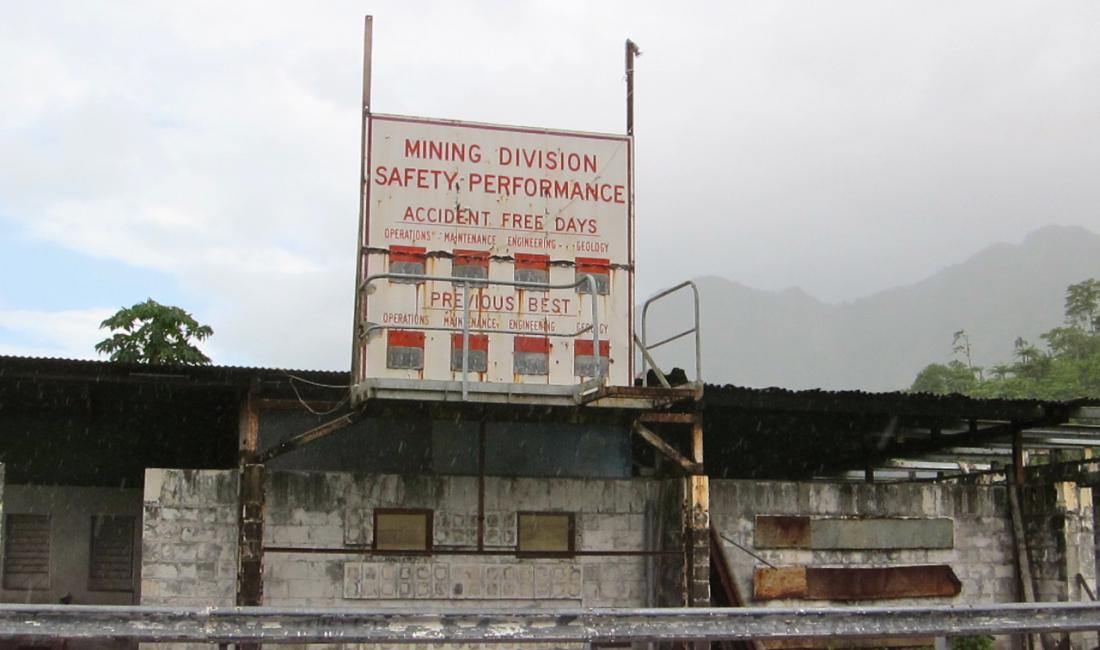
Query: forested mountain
(881,342)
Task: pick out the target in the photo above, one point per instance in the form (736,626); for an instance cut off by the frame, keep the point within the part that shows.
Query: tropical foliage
(150,332)
(1067,366)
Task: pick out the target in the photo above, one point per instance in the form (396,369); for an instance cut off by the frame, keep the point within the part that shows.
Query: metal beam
(269,625)
(668,450)
(314,434)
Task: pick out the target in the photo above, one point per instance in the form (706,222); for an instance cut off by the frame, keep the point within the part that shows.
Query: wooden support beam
(307,437)
(665,417)
(1018,456)
(697,440)
(667,450)
(250,508)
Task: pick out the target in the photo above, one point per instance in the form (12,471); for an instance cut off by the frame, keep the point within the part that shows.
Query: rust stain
(780,531)
(855,583)
(846,642)
(780,582)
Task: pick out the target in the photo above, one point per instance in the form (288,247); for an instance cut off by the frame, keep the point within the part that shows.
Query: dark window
(544,533)
(111,567)
(27,552)
(403,530)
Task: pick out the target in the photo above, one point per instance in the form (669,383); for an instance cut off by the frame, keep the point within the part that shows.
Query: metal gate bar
(269,625)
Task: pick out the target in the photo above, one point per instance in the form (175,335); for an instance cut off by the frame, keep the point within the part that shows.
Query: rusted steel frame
(269,625)
(314,434)
(667,450)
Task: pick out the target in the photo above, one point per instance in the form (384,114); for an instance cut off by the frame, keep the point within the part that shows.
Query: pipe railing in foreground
(646,347)
(425,625)
(468,283)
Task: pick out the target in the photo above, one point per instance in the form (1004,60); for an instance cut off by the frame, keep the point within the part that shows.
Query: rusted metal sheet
(780,531)
(525,625)
(770,583)
(855,583)
(848,642)
(472,202)
(848,533)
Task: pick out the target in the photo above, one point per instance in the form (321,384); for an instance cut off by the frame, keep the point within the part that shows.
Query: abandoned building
(127,484)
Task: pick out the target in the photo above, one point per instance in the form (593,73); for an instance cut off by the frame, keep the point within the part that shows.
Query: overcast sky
(205,153)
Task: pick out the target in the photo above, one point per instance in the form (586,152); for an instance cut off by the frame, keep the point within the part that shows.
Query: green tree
(955,377)
(1068,368)
(150,332)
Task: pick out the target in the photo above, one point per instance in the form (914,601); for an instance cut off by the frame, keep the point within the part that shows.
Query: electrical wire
(309,408)
(747,550)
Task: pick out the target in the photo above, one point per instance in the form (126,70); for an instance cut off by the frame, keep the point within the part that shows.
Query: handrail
(467,283)
(646,358)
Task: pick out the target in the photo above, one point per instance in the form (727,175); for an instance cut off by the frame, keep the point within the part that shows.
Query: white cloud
(843,146)
(70,334)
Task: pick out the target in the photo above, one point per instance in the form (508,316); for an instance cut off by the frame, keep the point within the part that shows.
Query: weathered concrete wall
(1060,527)
(189,537)
(71,510)
(334,511)
(1059,523)
(982,554)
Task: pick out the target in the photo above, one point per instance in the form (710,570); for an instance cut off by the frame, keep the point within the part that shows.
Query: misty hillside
(880,342)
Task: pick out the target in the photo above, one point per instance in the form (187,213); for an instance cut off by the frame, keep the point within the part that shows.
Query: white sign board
(478,201)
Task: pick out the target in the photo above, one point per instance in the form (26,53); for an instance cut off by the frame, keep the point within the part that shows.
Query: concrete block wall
(335,511)
(189,538)
(982,555)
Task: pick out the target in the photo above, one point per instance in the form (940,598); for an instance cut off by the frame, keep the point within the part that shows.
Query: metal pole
(360,263)
(465,335)
(631,51)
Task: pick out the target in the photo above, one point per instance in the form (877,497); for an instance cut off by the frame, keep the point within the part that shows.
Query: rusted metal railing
(31,623)
(646,347)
